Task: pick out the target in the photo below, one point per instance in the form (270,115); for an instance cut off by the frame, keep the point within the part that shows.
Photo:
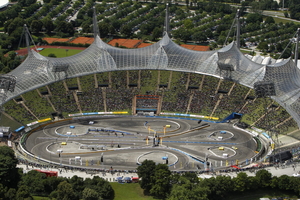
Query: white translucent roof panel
(37,71)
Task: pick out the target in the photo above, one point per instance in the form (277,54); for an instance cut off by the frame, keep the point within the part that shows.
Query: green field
(60,53)
(278,20)
(129,191)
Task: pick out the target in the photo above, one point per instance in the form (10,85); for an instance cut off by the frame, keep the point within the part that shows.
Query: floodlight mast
(167,27)
(297,49)
(95,24)
(238,27)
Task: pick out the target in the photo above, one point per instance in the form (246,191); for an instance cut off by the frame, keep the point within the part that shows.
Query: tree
(29,2)
(187,3)
(126,30)
(156,33)
(77,185)
(161,186)
(3,191)
(9,175)
(254,18)
(264,178)
(65,27)
(269,20)
(89,194)
(187,190)
(86,27)
(263,46)
(51,183)
(284,183)
(23,193)
(48,24)
(219,186)
(105,29)
(240,182)
(15,25)
(34,181)
(52,55)
(182,34)
(145,171)
(36,26)
(295,182)
(65,191)
(101,186)
(188,24)
(10,194)
(199,37)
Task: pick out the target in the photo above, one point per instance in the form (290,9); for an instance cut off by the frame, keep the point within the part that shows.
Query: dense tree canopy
(146,171)
(9,175)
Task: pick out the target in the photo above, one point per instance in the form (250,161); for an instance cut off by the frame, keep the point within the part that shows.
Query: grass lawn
(129,191)
(40,198)
(278,20)
(60,53)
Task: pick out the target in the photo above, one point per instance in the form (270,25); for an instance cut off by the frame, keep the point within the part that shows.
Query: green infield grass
(129,191)
(59,53)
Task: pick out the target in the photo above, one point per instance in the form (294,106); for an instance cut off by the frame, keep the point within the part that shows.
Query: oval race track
(122,142)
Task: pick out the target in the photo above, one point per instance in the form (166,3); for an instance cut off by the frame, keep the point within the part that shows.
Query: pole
(296,50)
(238,26)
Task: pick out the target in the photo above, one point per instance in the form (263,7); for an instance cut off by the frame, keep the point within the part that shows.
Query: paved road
(289,170)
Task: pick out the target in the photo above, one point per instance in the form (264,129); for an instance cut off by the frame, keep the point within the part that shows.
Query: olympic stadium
(108,106)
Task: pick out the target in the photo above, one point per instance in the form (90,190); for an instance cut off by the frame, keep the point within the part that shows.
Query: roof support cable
(287,45)
(229,32)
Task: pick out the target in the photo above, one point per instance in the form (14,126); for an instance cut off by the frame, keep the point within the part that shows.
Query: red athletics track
(23,52)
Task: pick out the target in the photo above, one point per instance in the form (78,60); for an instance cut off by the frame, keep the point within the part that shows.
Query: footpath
(290,170)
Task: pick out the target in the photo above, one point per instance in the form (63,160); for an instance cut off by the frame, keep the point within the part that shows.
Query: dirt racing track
(125,142)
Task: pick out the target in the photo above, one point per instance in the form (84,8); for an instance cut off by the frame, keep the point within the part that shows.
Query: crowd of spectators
(18,112)
(62,100)
(147,102)
(118,100)
(209,94)
(32,98)
(91,100)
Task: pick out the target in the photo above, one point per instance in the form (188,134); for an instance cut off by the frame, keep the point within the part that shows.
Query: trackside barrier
(39,121)
(137,160)
(190,115)
(98,113)
(191,156)
(255,134)
(178,125)
(25,136)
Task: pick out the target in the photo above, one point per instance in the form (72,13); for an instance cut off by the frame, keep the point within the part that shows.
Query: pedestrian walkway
(289,170)
(111,177)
